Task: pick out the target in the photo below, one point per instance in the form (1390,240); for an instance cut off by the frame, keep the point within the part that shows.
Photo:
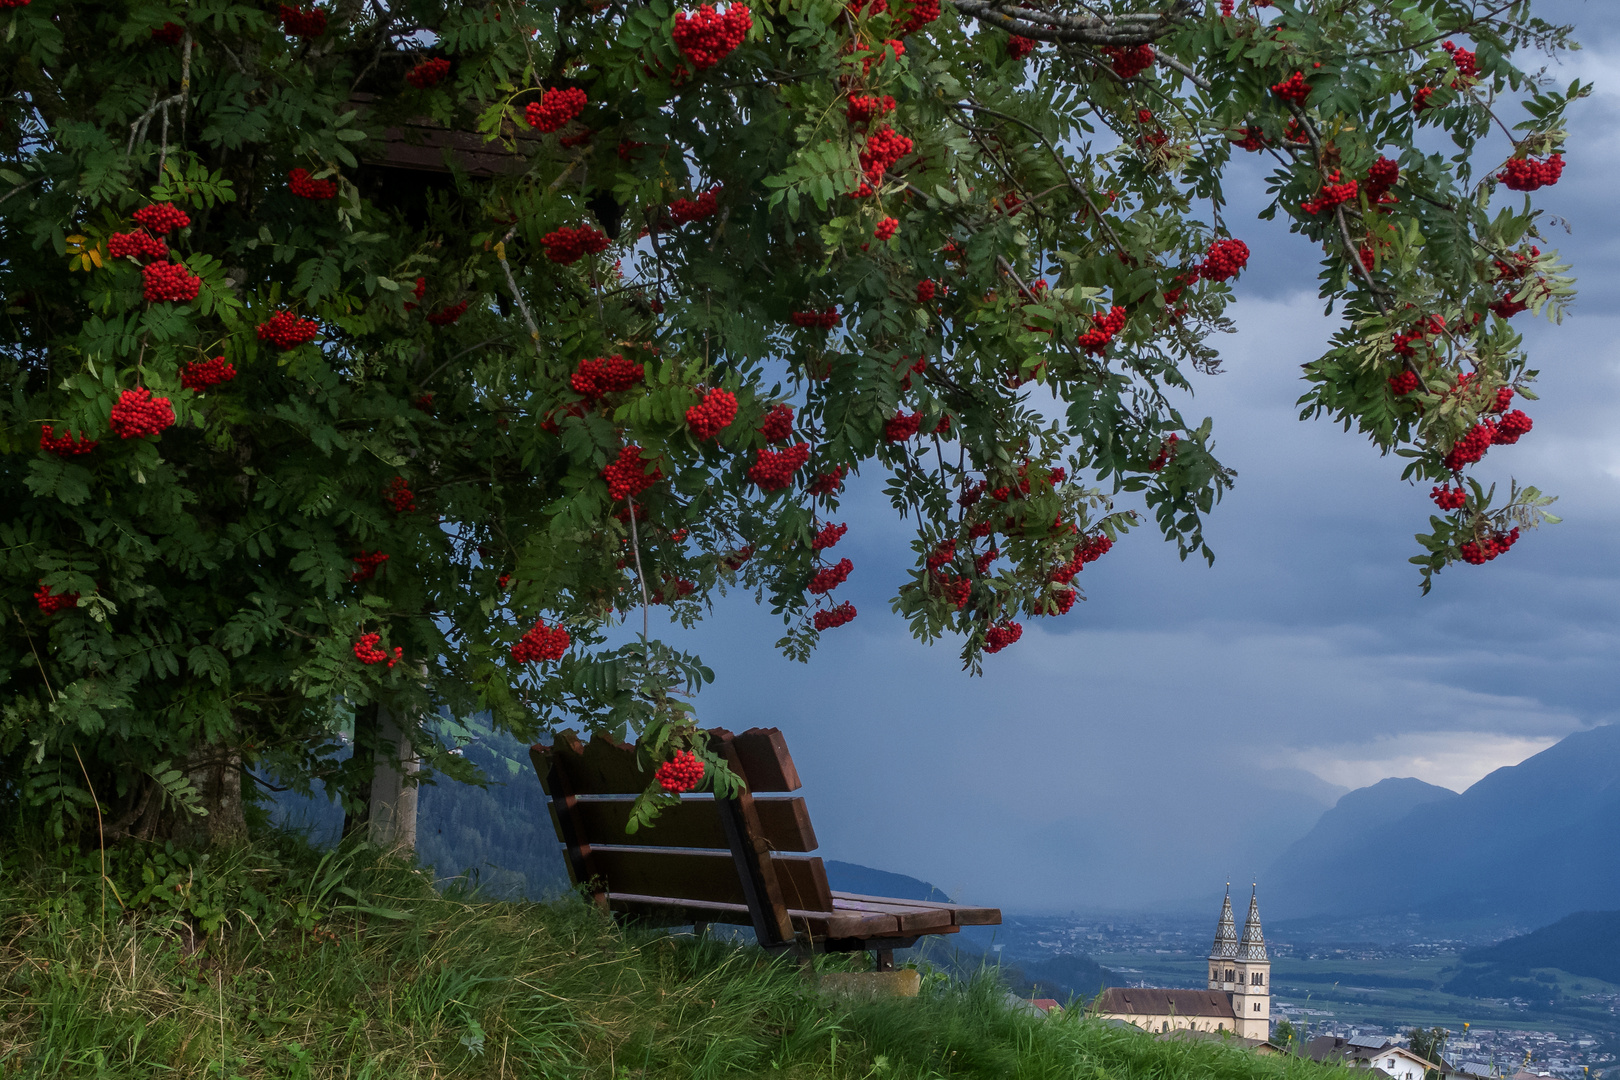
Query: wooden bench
(744,860)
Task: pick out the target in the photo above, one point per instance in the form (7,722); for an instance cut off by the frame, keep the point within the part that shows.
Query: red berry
(567,245)
(825,319)
(448,315)
(555,108)
(1403,383)
(1103,329)
(287,331)
(400,496)
(830,577)
(886,228)
(773,469)
(883,148)
(1294,88)
(838,616)
(1019,47)
(135,245)
(165,282)
(1225,259)
(1128,63)
(162,217)
(302,23)
(778,424)
(999,637)
(541,642)
(300,184)
(901,426)
(1448,498)
(67,444)
(199,375)
(712,414)
(827,483)
(681,773)
(139,414)
(50,605)
(428,73)
(169,33)
(707,36)
(603,375)
(828,536)
(368,561)
(628,475)
(1528,174)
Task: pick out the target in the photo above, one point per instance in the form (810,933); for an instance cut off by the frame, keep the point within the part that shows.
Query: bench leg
(885,959)
(699,928)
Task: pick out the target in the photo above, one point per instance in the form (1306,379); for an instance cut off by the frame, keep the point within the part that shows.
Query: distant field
(1389,994)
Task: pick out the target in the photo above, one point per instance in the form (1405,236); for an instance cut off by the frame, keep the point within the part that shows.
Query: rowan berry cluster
(681,773)
(863,108)
(366,651)
(567,245)
(901,426)
(1249,138)
(891,47)
(883,148)
(1402,342)
(556,107)
(8,4)
(302,185)
(628,475)
(707,36)
(302,23)
(923,12)
(1088,552)
(138,414)
(429,73)
(737,557)
(1002,635)
(1489,548)
(541,642)
(926,291)
(1403,383)
(778,424)
(1020,47)
(1129,63)
(1334,192)
(199,375)
(705,205)
(1528,174)
(1064,599)
(825,320)
(826,483)
(445,316)
(400,496)
(66,444)
(1466,61)
(1512,427)
(285,330)
(603,375)
(980,529)
(1225,259)
(1155,136)
(838,616)
(169,33)
(1382,176)
(674,589)
(1504,398)
(943,553)
(1420,98)
(135,245)
(50,605)
(982,562)
(418,292)
(162,217)
(368,562)
(1294,88)
(166,282)
(1472,446)
(1447,497)
(716,410)
(1103,329)
(955,590)
(828,536)
(773,469)
(829,578)
(886,228)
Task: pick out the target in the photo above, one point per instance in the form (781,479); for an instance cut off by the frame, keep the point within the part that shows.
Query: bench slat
(822,925)
(961,914)
(705,875)
(695,824)
(913,920)
(605,767)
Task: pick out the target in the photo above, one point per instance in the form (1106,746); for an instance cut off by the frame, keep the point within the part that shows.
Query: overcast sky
(1186,723)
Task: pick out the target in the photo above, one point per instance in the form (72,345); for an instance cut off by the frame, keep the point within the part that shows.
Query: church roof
(1151,1001)
(1226,939)
(1253,946)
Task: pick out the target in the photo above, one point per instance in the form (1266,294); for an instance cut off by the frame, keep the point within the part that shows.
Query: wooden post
(565,812)
(752,854)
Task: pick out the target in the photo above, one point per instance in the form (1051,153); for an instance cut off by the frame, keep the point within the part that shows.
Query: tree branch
(1129,29)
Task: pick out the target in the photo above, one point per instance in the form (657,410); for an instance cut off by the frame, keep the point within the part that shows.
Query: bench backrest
(746,857)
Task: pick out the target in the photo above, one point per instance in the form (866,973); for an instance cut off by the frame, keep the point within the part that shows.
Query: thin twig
(511,283)
(635,548)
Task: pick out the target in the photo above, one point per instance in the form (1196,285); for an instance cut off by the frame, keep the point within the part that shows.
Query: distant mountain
(1526,845)
(1585,943)
(854,878)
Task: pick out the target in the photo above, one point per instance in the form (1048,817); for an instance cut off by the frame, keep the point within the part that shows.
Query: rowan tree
(392,352)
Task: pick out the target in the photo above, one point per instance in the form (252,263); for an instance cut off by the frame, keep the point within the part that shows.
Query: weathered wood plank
(963,914)
(766,761)
(912,920)
(708,875)
(696,824)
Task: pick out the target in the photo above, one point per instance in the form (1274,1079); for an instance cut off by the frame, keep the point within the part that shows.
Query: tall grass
(355,967)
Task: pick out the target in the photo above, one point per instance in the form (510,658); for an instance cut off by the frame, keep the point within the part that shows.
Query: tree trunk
(392,823)
(357,820)
(216,774)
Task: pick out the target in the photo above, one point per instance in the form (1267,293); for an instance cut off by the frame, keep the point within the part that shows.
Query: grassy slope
(468,989)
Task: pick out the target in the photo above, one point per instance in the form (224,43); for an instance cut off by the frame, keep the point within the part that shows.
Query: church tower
(1251,971)
(1224,953)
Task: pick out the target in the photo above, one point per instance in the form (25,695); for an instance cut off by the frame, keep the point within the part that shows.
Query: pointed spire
(1254,942)
(1226,940)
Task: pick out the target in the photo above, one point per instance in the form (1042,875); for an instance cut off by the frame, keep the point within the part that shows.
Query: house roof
(1152,1001)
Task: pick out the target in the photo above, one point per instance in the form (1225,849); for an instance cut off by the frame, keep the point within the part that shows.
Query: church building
(1237,1000)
